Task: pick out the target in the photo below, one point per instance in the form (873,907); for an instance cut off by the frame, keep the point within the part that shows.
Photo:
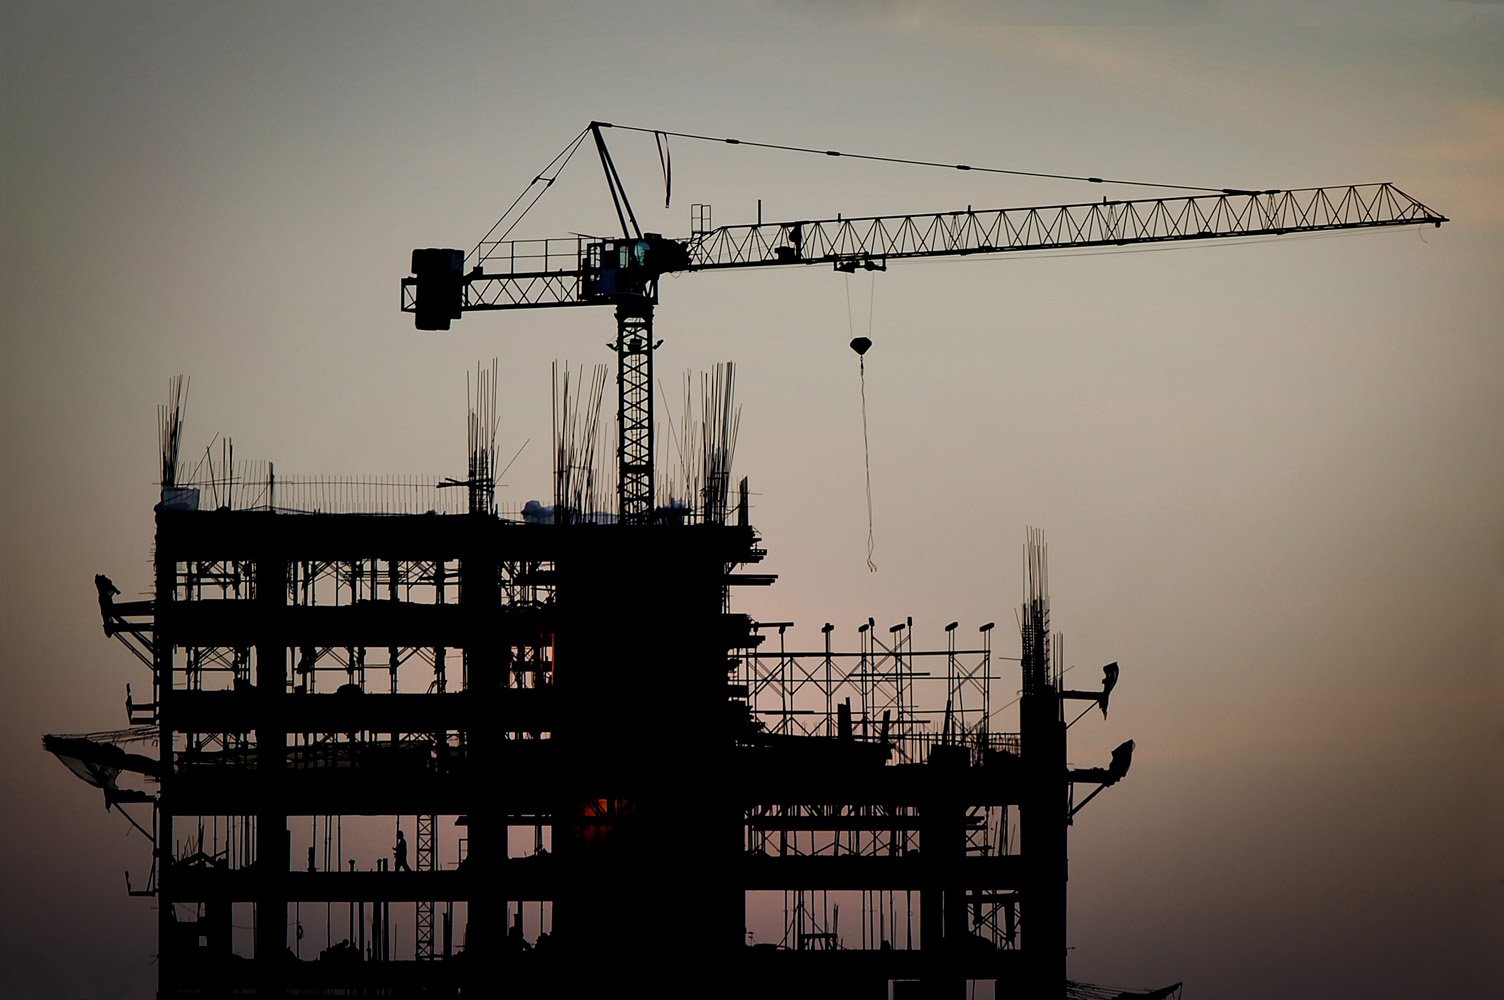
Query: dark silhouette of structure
(625,272)
(676,773)
(609,697)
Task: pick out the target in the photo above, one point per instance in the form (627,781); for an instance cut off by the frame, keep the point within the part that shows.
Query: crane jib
(544,273)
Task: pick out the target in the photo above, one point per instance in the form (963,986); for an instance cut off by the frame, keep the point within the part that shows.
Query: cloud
(1465,156)
(1474,137)
(1019,13)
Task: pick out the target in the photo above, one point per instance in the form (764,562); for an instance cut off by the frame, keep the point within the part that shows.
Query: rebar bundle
(719,422)
(1034,625)
(481,440)
(579,491)
(705,446)
(170,429)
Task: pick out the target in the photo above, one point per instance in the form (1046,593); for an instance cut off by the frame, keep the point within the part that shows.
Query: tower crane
(624,271)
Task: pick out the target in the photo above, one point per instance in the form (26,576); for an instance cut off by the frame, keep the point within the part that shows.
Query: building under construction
(606,772)
(612,778)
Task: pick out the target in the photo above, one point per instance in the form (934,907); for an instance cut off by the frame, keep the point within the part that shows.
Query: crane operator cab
(629,268)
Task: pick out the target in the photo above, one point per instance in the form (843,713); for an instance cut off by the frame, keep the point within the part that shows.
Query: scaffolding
(624,771)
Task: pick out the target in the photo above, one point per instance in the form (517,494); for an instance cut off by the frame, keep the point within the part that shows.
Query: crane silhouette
(624,272)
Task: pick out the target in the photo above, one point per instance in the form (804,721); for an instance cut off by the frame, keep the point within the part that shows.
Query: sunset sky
(1271,473)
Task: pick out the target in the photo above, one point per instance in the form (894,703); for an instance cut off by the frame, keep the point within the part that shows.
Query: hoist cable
(867,461)
(866,443)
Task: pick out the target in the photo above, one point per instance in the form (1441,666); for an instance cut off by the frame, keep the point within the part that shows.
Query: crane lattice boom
(564,272)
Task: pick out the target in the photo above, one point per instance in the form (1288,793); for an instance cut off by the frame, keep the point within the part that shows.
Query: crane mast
(624,272)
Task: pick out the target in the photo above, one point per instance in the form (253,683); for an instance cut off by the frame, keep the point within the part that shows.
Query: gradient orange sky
(1271,474)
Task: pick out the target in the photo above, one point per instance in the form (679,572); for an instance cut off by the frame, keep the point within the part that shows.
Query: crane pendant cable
(860,345)
(665,160)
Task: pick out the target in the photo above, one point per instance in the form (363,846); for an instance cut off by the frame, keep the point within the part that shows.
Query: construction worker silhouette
(399,851)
